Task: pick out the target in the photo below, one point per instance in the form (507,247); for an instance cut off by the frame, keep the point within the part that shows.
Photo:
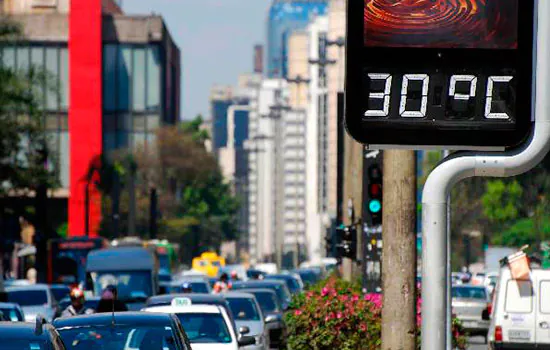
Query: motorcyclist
(77,304)
(222,285)
(109,301)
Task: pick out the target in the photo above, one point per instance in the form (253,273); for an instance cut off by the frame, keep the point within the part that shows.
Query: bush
(336,315)
(333,315)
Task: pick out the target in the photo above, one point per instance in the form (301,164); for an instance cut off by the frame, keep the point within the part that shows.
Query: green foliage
(63,230)
(500,201)
(197,208)
(25,161)
(521,233)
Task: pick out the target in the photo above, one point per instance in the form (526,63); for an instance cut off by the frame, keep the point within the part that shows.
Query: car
(60,291)
(194,299)
(521,311)
(90,303)
(208,327)
(123,330)
(491,281)
(11,312)
(35,299)
(249,318)
(472,306)
(267,267)
(198,285)
(293,284)
(309,276)
(273,314)
(278,286)
(254,274)
(35,336)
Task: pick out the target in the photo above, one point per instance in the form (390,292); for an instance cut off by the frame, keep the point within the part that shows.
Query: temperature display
(450,73)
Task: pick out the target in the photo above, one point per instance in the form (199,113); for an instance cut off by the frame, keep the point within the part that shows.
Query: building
(264,178)
(221,97)
(317,140)
(285,17)
(117,79)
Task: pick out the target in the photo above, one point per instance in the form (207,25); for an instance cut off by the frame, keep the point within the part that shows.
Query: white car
(208,327)
(35,299)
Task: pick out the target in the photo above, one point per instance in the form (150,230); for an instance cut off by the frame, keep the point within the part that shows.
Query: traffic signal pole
(458,167)
(399,252)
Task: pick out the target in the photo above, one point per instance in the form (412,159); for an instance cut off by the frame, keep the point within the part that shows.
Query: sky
(216,39)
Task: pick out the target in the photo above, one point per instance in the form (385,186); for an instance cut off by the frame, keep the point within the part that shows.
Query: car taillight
(498,333)
(489,308)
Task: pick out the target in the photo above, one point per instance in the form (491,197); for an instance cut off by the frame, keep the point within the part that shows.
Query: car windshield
(205,328)
(469,293)
(28,297)
(150,337)
(267,301)
(243,309)
(59,293)
(12,315)
(309,277)
(196,287)
(132,285)
(291,283)
(25,344)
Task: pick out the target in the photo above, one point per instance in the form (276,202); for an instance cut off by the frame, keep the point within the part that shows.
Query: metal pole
(457,168)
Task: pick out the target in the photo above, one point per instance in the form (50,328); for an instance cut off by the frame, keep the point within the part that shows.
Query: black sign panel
(440,72)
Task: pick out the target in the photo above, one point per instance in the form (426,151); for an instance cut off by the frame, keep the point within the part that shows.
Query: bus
(209,263)
(67,259)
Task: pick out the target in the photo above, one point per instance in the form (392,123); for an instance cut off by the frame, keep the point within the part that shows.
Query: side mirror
(485,315)
(270,319)
(244,330)
(246,341)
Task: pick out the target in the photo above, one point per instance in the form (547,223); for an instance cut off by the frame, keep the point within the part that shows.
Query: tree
(197,208)
(24,156)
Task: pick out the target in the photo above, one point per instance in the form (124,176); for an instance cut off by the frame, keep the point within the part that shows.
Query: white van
(521,312)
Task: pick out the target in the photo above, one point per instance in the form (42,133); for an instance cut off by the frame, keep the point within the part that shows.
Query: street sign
(449,74)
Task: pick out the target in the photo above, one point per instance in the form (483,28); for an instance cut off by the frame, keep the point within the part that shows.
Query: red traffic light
(375,190)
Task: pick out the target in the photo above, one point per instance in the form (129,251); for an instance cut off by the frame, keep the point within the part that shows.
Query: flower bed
(336,315)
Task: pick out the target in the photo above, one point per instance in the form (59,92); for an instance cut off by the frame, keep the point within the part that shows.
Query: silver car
(35,299)
(249,318)
(472,306)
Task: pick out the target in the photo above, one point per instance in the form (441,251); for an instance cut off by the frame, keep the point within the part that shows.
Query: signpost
(465,75)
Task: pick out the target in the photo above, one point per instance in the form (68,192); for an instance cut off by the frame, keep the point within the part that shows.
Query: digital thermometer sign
(455,73)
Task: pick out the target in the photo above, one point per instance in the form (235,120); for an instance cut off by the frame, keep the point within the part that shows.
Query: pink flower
(355,298)
(339,315)
(324,291)
(363,327)
(298,312)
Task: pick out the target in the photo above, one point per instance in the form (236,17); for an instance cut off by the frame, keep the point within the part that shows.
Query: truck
(133,270)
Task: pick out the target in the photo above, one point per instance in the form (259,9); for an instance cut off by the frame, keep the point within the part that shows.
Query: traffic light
(347,247)
(374,199)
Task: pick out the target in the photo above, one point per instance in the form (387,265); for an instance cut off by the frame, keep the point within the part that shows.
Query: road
(477,343)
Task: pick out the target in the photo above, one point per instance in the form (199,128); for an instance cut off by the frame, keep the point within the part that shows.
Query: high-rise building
(116,77)
(285,17)
(221,97)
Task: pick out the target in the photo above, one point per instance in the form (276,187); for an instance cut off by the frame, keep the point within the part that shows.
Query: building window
(132,93)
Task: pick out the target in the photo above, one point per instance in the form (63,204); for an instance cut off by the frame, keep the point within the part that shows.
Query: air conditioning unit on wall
(44,3)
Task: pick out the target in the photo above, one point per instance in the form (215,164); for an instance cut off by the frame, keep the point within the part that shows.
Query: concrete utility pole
(399,253)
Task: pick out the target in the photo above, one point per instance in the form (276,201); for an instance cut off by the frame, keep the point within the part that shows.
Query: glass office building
(286,16)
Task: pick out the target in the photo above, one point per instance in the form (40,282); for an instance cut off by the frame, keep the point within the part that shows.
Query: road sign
(450,74)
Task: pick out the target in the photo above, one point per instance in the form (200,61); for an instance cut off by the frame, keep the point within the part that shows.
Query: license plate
(519,335)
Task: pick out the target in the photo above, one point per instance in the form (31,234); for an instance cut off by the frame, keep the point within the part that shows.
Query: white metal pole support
(462,166)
